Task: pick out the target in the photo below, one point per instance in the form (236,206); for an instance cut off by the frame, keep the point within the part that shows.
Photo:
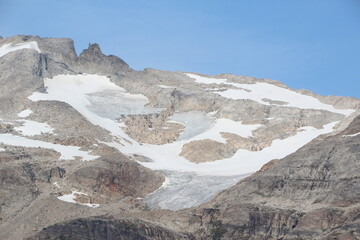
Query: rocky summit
(93,149)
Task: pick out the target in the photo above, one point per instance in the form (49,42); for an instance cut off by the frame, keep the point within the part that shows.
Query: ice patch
(32,128)
(25,113)
(71,199)
(10,47)
(195,123)
(67,152)
(185,190)
(201,126)
(227,126)
(113,104)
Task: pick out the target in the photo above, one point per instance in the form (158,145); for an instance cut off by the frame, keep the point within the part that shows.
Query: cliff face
(109,229)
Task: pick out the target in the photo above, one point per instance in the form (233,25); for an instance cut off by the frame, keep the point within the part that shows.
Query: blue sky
(310,44)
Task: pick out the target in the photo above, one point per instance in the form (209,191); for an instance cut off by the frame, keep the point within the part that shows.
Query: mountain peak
(93,49)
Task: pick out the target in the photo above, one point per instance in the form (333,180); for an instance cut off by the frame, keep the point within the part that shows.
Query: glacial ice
(186,189)
(195,122)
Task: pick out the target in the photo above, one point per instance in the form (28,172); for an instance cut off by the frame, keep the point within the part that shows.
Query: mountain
(92,149)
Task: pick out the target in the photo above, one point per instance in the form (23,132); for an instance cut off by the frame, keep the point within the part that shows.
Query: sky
(307,44)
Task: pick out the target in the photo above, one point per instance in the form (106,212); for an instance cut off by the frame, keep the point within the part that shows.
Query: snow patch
(352,135)
(67,152)
(164,86)
(260,91)
(11,47)
(32,128)
(206,80)
(71,199)
(25,113)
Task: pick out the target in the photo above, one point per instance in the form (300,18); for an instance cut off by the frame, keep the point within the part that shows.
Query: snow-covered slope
(202,133)
(75,90)
(11,47)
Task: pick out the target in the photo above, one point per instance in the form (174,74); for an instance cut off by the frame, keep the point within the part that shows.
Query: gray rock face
(93,61)
(105,228)
(311,194)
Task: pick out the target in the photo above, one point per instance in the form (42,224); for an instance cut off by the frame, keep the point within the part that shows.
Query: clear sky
(311,44)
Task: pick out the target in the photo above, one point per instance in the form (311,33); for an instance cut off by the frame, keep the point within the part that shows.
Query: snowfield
(67,152)
(11,47)
(70,198)
(24,114)
(32,128)
(99,100)
(166,157)
(260,91)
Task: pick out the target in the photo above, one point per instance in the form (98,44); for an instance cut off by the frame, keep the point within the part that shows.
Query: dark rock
(109,229)
(117,179)
(93,61)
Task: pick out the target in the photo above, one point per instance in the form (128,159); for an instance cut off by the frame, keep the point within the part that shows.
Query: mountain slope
(87,136)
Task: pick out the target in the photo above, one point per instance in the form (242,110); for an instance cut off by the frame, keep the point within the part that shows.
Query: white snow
(259,91)
(2,149)
(75,90)
(71,199)
(352,135)
(67,152)
(166,157)
(164,86)
(11,47)
(206,80)
(32,128)
(25,113)
(78,90)
(56,184)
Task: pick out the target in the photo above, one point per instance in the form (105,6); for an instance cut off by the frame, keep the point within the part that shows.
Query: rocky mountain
(92,149)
